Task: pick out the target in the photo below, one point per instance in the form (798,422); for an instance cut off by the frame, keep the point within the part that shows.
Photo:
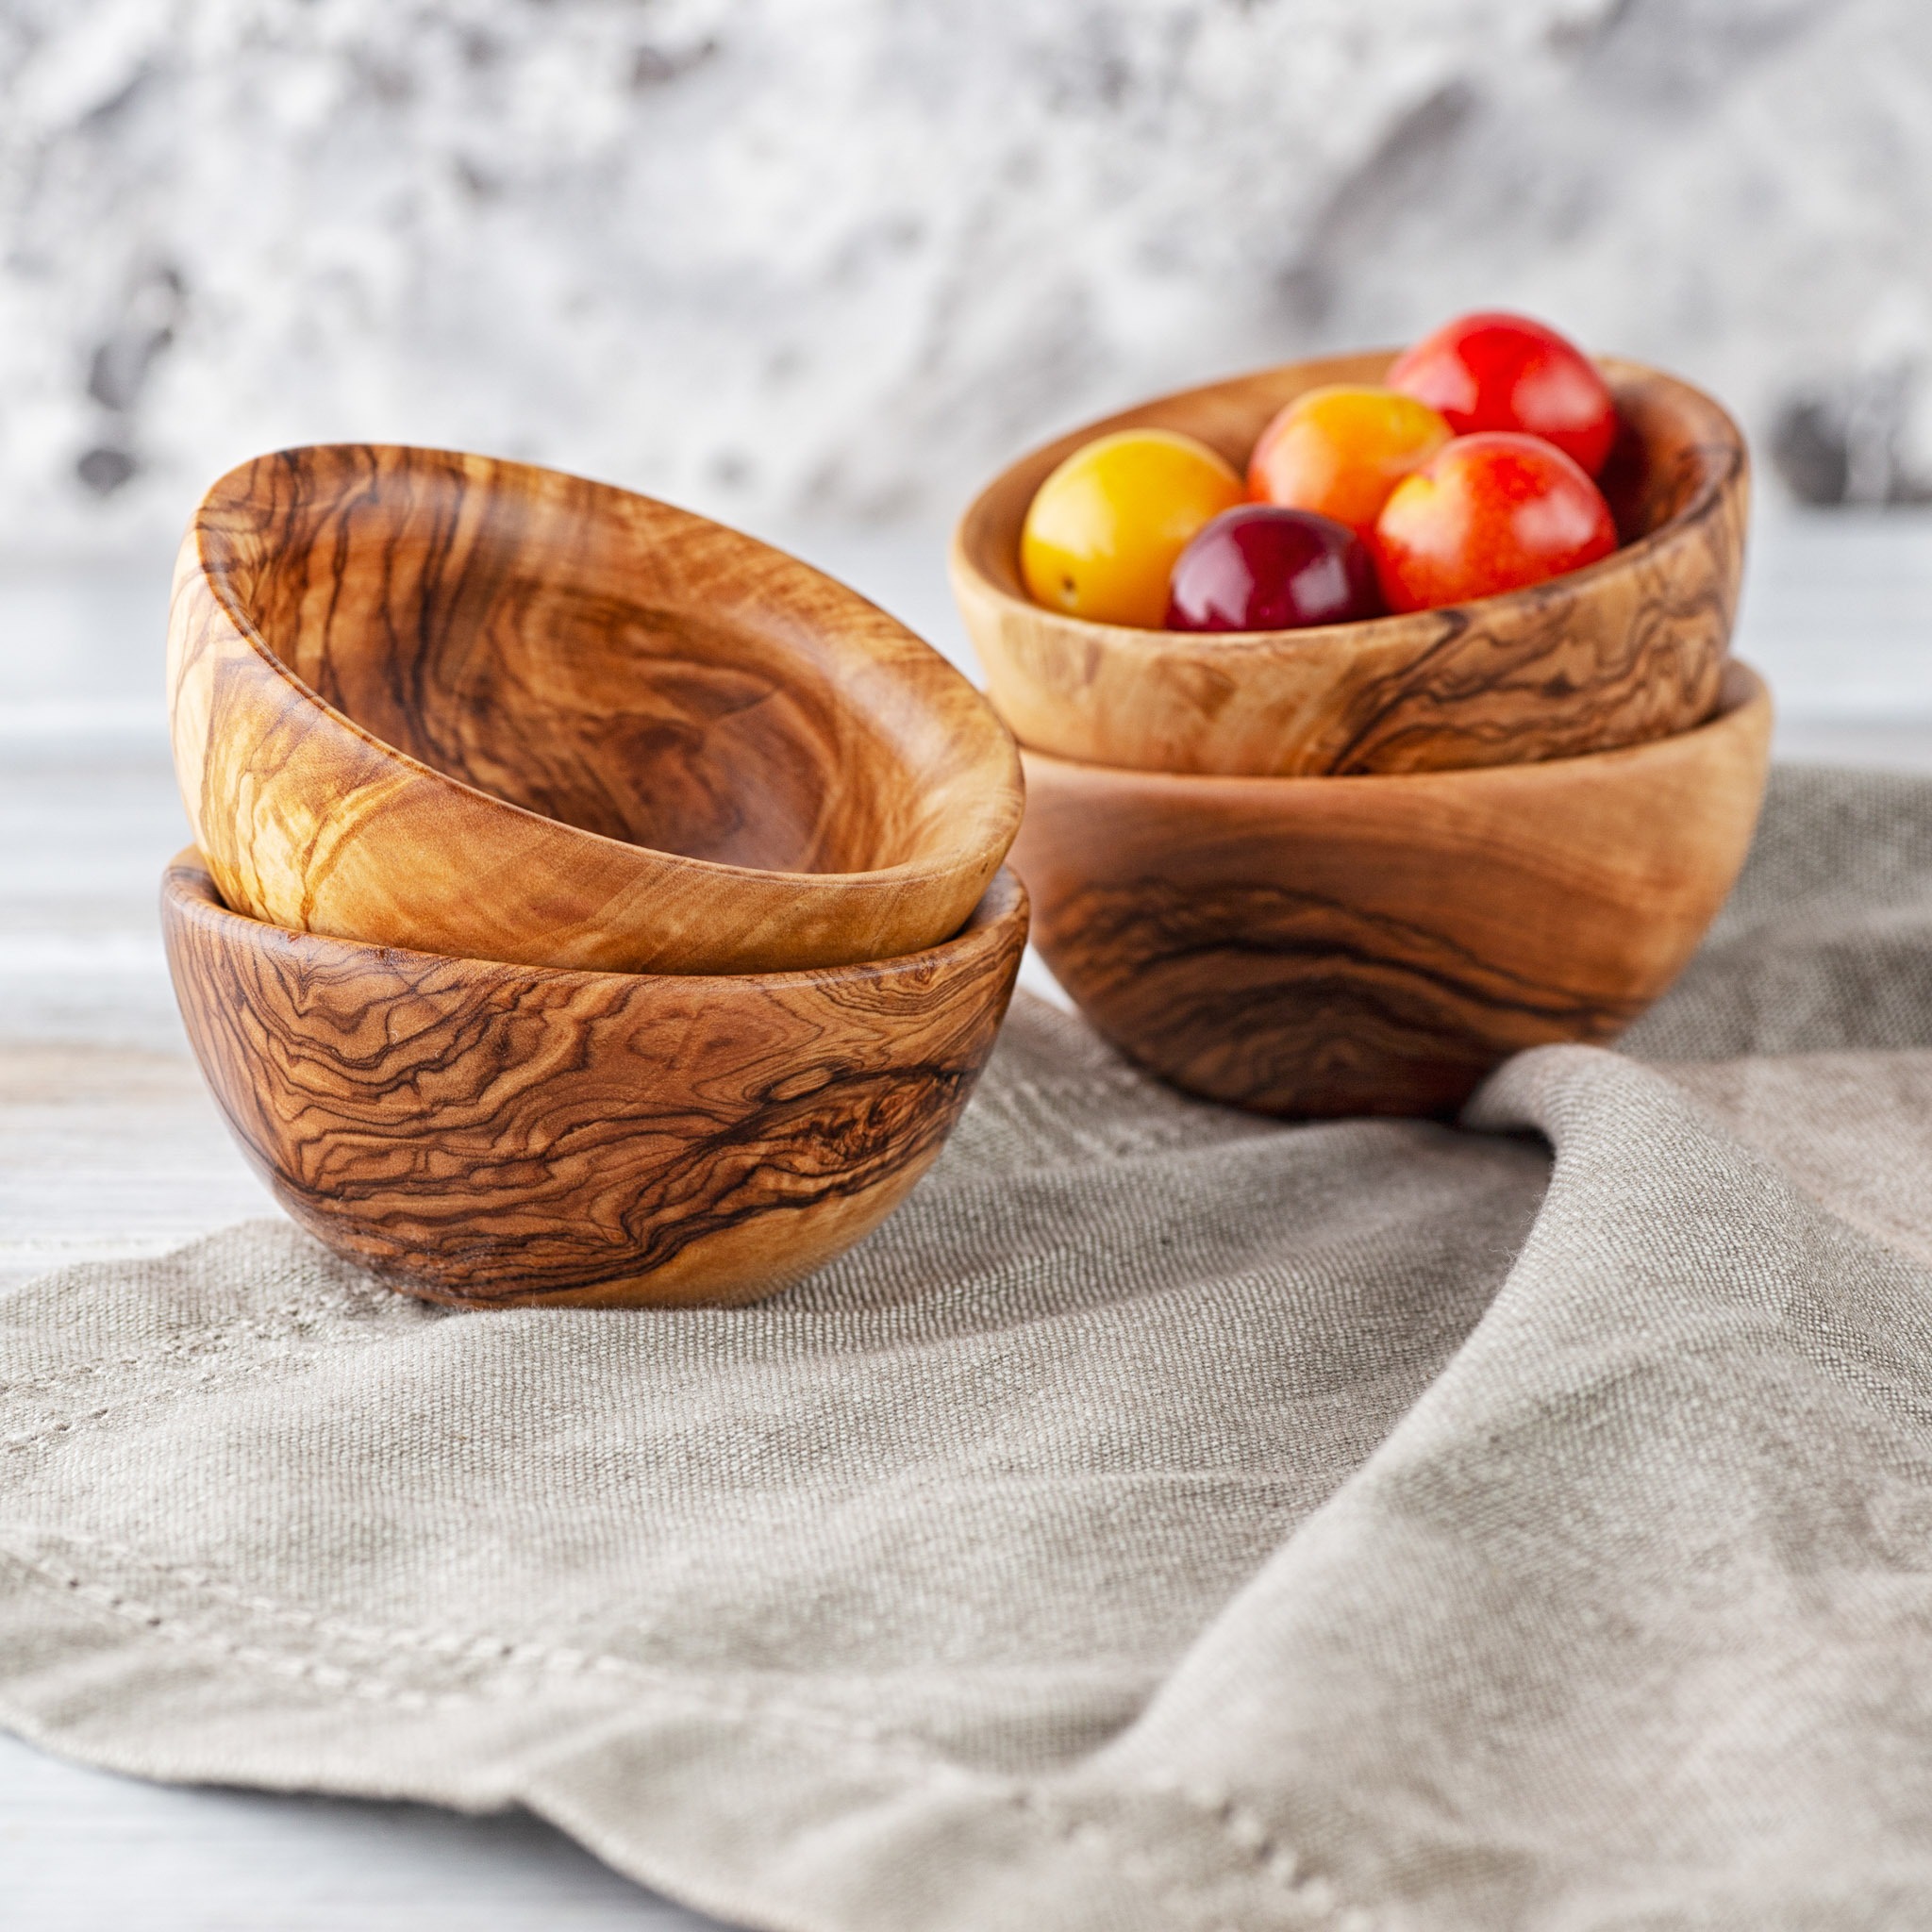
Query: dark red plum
(1263,568)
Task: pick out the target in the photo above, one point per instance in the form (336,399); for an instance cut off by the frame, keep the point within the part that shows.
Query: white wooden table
(109,1147)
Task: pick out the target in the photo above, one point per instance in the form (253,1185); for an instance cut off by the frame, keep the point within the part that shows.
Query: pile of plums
(1469,471)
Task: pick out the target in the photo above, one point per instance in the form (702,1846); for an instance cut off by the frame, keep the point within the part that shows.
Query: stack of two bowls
(1349,870)
(587,903)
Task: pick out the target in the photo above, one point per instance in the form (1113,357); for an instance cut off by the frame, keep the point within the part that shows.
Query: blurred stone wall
(838,257)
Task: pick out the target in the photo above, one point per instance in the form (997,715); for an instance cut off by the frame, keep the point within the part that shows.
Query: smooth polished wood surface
(1628,650)
(1310,946)
(484,1133)
(473,708)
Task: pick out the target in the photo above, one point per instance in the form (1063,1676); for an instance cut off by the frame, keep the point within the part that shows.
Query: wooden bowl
(1626,650)
(1375,945)
(492,1134)
(478,708)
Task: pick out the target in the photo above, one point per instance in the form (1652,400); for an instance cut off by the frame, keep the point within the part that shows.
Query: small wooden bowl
(1628,650)
(492,1134)
(1375,945)
(487,711)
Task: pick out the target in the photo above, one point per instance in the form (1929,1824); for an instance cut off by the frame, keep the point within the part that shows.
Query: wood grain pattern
(1628,650)
(478,708)
(488,1133)
(1376,944)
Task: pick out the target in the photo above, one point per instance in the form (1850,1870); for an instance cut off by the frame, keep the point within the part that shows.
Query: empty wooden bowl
(1626,650)
(486,1133)
(1376,944)
(482,710)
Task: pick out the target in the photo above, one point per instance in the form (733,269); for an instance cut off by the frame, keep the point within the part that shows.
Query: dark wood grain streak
(485,1133)
(1345,946)
(474,707)
(1628,650)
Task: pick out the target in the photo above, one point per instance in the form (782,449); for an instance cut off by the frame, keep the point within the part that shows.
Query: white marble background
(833,259)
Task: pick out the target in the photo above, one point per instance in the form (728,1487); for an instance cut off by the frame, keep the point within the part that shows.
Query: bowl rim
(1316,638)
(948,863)
(1745,697)
(188,890)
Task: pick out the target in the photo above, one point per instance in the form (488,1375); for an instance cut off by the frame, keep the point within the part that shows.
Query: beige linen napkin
(1169,1520)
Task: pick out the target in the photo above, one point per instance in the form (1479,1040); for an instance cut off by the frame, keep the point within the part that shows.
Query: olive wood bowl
(489,1134)
(473,708)
(1310,947)
(1629,649)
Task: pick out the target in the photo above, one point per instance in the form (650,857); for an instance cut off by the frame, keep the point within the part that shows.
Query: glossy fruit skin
(1487,513)
(1103,531)
(1338,450)
(1496,370)
(1264,568)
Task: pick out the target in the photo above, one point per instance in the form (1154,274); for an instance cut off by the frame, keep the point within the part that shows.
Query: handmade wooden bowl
(1628,650)
(486,1133)
(482,710)
(1376,944)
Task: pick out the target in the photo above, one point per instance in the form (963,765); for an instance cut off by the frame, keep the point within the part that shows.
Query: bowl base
(1315,946)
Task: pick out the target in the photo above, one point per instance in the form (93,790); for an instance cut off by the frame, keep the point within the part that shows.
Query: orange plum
(1339,450)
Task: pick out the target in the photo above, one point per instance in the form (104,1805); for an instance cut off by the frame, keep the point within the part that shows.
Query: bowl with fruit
(1376,712)
(1488,549)
(473,708)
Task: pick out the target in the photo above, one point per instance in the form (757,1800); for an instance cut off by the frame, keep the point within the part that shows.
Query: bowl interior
(603,660)
(1674,447)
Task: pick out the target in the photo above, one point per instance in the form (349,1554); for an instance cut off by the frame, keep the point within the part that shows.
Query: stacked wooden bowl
(1350,868)
(587,903)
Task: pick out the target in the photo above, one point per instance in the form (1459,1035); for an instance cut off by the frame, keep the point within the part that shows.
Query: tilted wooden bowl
(1376,944)
(486,1133)
(478,708)
(1628,650)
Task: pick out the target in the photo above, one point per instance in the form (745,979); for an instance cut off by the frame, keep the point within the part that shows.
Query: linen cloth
(1169,1520)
